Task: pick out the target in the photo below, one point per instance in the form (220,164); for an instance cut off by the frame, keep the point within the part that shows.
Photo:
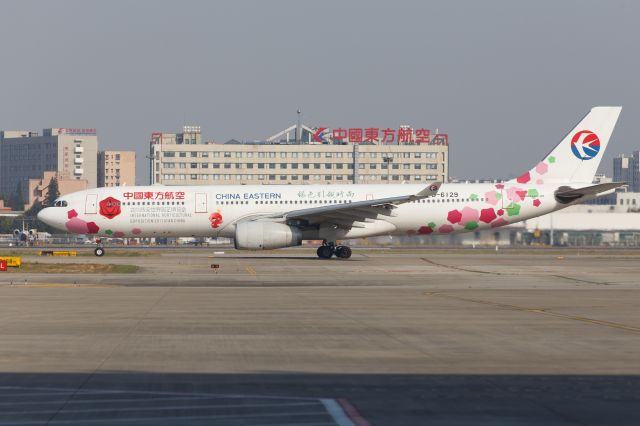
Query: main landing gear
(99,251)
(326,250)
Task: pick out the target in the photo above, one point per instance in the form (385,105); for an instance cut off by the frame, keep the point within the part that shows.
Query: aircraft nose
(48,216)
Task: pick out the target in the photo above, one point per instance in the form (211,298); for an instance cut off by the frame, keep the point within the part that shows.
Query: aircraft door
(201,202)
(91,204)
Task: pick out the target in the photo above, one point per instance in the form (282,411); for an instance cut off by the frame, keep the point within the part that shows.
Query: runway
(389,337)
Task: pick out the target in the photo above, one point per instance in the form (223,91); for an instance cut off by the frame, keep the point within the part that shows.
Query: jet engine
(263,235)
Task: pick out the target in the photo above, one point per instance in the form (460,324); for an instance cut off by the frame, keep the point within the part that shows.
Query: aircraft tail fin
(577,157)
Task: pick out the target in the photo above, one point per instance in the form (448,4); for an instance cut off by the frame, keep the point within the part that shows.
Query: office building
(116,168)
(184,159)
(627,169)
(24,155)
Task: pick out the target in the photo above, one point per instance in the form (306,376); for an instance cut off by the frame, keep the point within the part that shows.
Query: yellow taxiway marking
(540,311)
(250,270)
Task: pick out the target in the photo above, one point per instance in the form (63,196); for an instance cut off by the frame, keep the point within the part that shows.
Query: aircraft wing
(348,215)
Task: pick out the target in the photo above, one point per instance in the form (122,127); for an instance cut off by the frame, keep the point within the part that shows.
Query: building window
(327,166)
(249,165)
(227,154)
(194,165)
(283,165)
(194,177)
(283,155)
(182,154)
(205,165)
(294,166)
(272,177)
(272,165)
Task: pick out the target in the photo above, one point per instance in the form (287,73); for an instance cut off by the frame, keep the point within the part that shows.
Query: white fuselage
(211,211)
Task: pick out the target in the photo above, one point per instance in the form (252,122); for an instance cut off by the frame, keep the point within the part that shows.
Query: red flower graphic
(110,207)
(215,219)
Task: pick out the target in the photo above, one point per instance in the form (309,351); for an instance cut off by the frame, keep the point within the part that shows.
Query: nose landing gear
(99,251)
(327,250)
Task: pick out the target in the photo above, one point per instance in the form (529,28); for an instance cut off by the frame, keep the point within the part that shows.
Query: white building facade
(183,159)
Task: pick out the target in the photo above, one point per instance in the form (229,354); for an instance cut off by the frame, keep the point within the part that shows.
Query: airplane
(261,217)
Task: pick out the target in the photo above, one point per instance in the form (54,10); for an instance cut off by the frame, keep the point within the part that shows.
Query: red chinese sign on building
(402,135)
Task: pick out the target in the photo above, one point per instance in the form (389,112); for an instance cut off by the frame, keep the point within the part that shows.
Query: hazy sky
(506,80)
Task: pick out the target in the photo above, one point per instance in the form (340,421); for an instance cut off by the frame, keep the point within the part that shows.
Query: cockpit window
(60,203)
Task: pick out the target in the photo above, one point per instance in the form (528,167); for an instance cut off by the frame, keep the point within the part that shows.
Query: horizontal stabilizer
(567,194)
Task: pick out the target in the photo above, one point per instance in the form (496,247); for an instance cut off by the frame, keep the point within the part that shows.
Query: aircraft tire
(325,252)
(343,252)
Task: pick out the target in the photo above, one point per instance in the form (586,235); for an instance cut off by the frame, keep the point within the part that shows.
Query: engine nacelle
(263,235)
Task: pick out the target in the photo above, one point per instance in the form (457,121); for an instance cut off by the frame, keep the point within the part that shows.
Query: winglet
(429,191)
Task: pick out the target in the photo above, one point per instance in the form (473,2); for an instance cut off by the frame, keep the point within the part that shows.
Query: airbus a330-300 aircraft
(262,217)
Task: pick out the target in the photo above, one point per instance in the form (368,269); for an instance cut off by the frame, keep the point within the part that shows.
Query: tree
(32,216)
(16,201)
(53,192)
